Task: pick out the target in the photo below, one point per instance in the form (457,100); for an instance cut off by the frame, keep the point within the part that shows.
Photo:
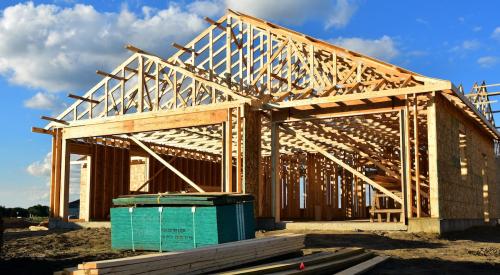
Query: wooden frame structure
(282,115)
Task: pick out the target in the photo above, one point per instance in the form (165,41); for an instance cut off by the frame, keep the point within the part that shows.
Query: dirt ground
(43,252)
(475,251)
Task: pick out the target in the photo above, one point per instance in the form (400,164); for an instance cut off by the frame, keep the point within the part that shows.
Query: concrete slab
(356,225)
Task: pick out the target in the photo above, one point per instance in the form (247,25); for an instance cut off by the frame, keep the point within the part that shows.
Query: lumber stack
(347,261)
(196,261)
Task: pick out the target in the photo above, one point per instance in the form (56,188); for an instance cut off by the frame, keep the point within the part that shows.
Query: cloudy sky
(49,48)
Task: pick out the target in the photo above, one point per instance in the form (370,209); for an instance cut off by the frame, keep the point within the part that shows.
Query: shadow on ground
(367,241)
(433,266)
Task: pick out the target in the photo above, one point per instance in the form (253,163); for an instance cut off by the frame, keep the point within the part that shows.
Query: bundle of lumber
(196,261)
(344,261)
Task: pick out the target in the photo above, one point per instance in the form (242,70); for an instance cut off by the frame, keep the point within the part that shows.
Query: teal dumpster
(170,222)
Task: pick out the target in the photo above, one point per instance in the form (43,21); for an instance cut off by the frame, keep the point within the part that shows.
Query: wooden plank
(151,123)
(363,267)
(417,155)
(275,172)
(229,151)
(293,263)
(60,121)
(407,163)
(164,162)
(65,177)
(239,160)
(210,253)
(442,85)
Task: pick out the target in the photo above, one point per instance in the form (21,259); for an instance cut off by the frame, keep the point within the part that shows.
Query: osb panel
(138,176)
(461,193)
(83,192)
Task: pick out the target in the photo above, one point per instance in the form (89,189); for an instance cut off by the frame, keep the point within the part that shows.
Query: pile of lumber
(346,261)
(196,261)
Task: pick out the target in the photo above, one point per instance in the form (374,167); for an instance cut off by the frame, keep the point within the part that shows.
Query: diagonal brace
(164,162)
(342,164)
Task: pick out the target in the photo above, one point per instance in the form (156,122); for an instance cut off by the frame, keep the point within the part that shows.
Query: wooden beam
(153,121)
(182,48)
(301,114)
(99,72)
(229,151)
(41,131)
(164,162)
(157,173)
(239,169)
(60,121)
(407,163)
(417,155)
(135,49)
(341,163)
(77,97)
(439,86)
(65,177)
(275,172)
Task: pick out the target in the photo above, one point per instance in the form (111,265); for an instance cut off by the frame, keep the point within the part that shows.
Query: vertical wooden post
(122,92)
(65,171)
(409,189)
(55,174)
(432,136)
(229,151)
(251,157)
(140,83)
(157,87)
(223,159)
(239,187)
(402,144)
(417,155)
(275,172)
(86,215)
(106,98)
(229,30)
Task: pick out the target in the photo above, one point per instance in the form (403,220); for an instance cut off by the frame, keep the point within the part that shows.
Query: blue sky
(49,48)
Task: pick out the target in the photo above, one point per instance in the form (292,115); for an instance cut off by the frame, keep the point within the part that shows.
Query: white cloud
(467,45)
(382,48)
(55,48)
(59,49)
(496,33)
(335,13)
(422,21)
(341,15)
(470,44)
(41,168)
(206,8)
(487,61)
(44,101)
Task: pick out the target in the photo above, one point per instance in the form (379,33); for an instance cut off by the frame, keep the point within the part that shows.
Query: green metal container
(180,221)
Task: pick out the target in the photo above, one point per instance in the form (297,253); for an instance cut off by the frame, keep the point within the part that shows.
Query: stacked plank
(346,261)
(196,261)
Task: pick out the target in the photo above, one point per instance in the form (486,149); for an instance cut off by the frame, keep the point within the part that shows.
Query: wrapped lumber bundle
(172,222)
(196,261)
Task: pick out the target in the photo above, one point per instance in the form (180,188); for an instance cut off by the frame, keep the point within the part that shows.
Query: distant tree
(19,212)
(3,211)
(39,210)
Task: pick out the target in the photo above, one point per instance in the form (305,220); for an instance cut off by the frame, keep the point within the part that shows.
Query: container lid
(182,199)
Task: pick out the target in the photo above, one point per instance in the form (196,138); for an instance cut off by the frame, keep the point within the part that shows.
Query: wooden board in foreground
(197,261)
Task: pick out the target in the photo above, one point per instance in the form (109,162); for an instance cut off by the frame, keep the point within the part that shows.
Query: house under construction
(314,131)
